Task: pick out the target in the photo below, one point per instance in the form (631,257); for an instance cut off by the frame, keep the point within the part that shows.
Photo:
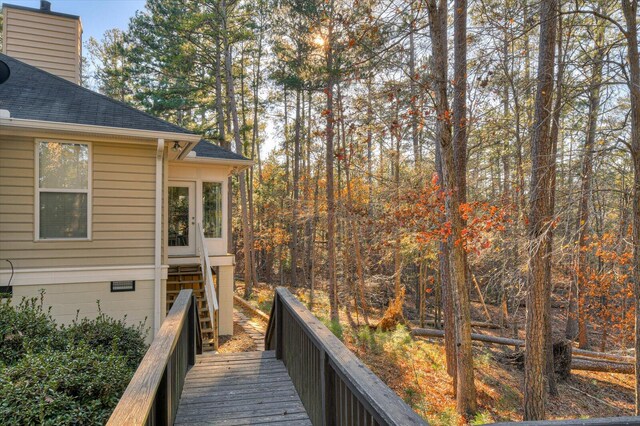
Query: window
(63,171)
(212,209)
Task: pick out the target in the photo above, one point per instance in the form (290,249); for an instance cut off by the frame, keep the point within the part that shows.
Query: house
(100,201)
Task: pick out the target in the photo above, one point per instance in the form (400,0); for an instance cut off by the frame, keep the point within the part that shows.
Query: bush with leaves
(63,375)
(107,334)
(80,385)
(27,327)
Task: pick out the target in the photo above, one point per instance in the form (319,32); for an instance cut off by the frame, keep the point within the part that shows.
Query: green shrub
(448,417)
(24,328)
(369,339)
(80,385)
(62,376)
(107,334)
(335,327)
(377,341)
(482,418)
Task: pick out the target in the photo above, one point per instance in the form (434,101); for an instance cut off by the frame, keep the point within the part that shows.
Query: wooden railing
(154,391)
(335,387)
(209,288)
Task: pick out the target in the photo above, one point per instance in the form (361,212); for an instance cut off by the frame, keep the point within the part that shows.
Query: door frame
(190,249)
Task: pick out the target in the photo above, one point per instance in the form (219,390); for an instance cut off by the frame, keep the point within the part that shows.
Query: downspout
(158,238)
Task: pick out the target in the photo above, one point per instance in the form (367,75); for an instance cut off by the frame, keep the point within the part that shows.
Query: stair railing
(210,291)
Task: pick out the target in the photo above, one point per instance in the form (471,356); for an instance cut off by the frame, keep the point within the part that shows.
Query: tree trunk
(413,92)
(465,386)
(540,220)
(630,10)
(296,186)
(447,294)
(331,208)
(223,142)
(246,234)
(585,193)
(555,130)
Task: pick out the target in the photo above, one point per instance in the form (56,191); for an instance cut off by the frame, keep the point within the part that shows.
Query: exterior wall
(120,246)
(123,202)
(193,172)
(48,41)
(225,293)
(75,274)
(68,300)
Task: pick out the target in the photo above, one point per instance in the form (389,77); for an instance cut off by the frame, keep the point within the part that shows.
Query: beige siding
(67,300)
(49,42)
(123,203)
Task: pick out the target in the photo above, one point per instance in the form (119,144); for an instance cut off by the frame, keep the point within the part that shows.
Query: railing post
(169,392)
(162,400)
(279,326)
(326,391)
(191,332)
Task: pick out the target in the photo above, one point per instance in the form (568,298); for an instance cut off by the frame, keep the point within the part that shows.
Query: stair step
(195,290)
(174,282)
(185,271)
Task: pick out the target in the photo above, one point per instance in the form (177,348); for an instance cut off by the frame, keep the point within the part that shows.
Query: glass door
(182,218)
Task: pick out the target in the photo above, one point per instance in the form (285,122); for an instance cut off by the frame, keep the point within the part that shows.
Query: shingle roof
(208,149)
(33,94)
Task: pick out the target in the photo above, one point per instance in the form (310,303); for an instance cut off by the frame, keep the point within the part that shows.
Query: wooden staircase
(190,277)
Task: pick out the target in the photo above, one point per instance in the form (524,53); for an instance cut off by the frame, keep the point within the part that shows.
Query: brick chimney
(49,40)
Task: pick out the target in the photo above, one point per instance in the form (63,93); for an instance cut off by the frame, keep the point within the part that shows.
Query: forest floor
(415,369)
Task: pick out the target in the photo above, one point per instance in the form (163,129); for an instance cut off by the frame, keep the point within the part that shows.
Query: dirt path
(253,327)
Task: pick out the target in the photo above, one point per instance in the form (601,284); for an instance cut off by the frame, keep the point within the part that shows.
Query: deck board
(249,388)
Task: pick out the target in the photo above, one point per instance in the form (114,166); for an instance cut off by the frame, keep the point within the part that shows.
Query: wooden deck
(248,388)
(306,376)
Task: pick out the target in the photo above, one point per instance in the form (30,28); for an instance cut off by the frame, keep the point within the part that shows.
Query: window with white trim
(63,190)
(212,209)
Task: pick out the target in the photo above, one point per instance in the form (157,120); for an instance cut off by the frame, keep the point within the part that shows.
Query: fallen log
(612,361)
(604,355)
(599,361)
(554,304)
(477,324)
(427,332)
(602,366)
(254,311)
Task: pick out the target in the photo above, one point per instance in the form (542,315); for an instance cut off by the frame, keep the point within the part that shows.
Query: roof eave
(99,130)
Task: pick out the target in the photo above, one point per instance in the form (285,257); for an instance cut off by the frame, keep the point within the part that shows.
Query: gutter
(157,299)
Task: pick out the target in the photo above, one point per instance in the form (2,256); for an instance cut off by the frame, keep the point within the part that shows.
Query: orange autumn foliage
(607,285)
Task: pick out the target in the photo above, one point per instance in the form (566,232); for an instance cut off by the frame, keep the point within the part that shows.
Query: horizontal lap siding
(123,209)
(68,300)
(46,41)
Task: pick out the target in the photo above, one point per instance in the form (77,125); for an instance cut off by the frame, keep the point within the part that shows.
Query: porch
(196,223)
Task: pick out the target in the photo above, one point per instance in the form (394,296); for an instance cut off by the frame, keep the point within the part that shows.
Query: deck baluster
(154,391)
(348,393)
